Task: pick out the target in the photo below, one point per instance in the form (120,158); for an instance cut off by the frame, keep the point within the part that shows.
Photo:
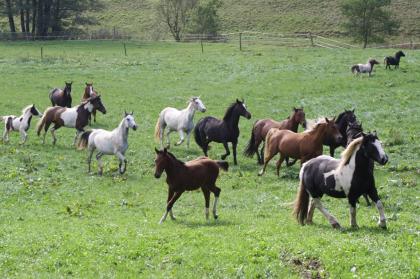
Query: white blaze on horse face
(243,104)
(379,148)
(200,105)
(91,90)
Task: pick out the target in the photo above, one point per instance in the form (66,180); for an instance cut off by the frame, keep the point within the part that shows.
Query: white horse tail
(157,129)
(83,140)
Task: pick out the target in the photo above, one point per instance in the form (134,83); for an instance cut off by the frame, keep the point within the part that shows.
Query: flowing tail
(251,148)
(157,129)
(41,122)
(301,204)
(83,140)
(354,69)
(223,165)
(197,135)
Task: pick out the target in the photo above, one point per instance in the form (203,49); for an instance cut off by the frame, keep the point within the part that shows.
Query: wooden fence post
(240,41)
(125,50)
(42,53)
(201,42)
(312,39)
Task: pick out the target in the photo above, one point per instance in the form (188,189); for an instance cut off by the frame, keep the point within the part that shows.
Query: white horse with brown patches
(19,124)
(364,68)
(109,142)
(178,120)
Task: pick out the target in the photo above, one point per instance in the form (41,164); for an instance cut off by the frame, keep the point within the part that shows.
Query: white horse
(178,120)
(109,142)
(19,124)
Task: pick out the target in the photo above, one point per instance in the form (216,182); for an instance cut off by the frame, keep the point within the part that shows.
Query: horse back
(264,125)
(202,171)
(214,129)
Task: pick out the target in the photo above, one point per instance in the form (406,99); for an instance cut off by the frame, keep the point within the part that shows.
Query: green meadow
(56,220)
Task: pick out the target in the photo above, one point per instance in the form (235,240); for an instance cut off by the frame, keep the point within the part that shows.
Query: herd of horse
(349,177)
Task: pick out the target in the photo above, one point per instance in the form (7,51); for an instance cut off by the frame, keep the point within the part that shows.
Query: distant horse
(178,120)
(210,129)
(109,142)
(62,98)
(75,117)
(364,68)
(261,128)
(393,60)
(21,124)
(199,173)
(349,177)
(303,146)
(90,92)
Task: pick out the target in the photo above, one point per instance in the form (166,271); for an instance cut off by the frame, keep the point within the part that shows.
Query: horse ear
(353,110)
(333,120)
(326,120)
(157,151)
(132,113)
(295,109)
(375,134)
(238,101)
(86,83)
(165,150)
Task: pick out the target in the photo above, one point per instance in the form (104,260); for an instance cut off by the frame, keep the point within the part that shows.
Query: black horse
(348,178)
(210,129)
(60,97)
(342,122)
(393,60)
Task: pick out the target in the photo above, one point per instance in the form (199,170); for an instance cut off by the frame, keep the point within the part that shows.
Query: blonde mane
(348,152)
(26,109)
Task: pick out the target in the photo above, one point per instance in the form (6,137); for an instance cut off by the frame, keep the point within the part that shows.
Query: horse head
(161,161)
(241,109)
(299,116)
(129,121)
(373,149)
(373,62)
(197,104)
(399,54)
(97,103)
(332,130)
(35,111)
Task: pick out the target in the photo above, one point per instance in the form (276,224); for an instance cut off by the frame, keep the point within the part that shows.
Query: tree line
(43,17)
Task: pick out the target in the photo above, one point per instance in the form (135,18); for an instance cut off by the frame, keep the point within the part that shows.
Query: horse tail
(158,129)
(83,140)
(42,121)
(251,148)
(267,144)
(302,201)
(197,134)
(223,165)
(354,69)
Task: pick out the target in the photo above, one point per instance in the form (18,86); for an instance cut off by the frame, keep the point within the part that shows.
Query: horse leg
(267,157)
(89,160)
(100,165)
(278,164)
(206,193)
(53,135)
(181,135)
(5,135)
(367,199)
(261,155)
(122,160)
(169,206)
(331,219)
(216,191)
(373,195)
(311,211)
(94,115)
(188,139)
(234,145)
(289,164)
(23,136)
(170,194)
(332,151)
(77,135)
(168,140)
(225,144)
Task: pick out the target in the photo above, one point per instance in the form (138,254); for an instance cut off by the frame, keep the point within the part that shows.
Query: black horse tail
(251,148)
(301,204)
(223,165)
(354,69)
(197,133)
(83,140)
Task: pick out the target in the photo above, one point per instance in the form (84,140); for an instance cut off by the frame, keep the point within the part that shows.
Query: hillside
(138,17)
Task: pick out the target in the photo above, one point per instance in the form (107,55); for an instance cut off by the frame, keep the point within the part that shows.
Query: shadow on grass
(204,223)
(347,229)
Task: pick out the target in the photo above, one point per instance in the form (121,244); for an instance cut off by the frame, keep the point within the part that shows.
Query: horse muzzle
(383,160)
(203,110)
(248,115)
(157,175)
(135,127)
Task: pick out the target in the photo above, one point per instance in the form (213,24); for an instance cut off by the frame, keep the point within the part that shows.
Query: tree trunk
(22,17)
(56,17)
(40,18)
(10,16)
(34,16)
(27,16)
(47,17)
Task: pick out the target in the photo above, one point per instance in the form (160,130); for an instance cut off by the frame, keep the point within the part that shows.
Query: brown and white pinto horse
(303,146)
(261,128)
(90,92)
(75,117)
(199,173)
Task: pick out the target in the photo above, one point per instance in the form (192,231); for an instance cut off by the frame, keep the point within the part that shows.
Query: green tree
(205,19)
(368,21)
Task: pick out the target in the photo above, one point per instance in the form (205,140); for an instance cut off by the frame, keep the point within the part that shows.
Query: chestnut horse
(261,128)
(90,92)
(201,172)
(303,146)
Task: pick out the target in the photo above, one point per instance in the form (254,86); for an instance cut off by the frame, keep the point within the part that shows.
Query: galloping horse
(199,173)
(349,177)
(393,60)
(21,124)
(178,120)
(61,97)
(210,129)
(90,92)
(261,128)
(109,142)
(75,117)
(303,146)
(364,68)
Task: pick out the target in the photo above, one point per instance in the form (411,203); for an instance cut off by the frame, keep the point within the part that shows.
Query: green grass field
(56,220)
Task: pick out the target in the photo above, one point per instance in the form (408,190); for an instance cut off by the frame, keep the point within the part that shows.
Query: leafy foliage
(205,19)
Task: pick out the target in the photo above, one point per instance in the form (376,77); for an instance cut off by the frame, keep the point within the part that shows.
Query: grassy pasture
(57,220)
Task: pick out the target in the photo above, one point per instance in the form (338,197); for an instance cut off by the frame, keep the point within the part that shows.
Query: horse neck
(66,91)
(292,124)
(26,116)
(233,120)
(319,133)
(82,111)
(363,164)
(189,111)
(342,125)
(122,131)
(174,168)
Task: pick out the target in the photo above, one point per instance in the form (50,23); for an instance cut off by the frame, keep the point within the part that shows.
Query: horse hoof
(336,226)
(355,227)
(382,225)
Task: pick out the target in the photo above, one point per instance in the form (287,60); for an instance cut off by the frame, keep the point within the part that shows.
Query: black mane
(174,158)
(229,111)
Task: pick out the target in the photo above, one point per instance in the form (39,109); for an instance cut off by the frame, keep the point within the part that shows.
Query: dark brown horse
(201,172)
(90,92)
(303,146)
(261,128)
(61,97)
(75,117)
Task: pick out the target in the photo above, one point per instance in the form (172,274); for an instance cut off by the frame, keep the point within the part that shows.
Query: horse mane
(229,111)
(311,124)
(26,109)
(174,158)
(341,115)
(348,152)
